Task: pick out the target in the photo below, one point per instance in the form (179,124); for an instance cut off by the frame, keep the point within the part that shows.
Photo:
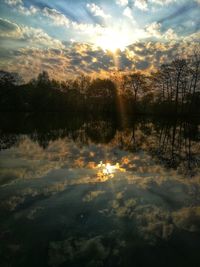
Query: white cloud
(122,2)
(14,2)
(87,28)
(39,38)
(153,30)
(170,35)
(57,17)
(97,11)
(163,2)
(60,19)
(30,36)
(141,4)
(194,37)
(27,11)
(128,12)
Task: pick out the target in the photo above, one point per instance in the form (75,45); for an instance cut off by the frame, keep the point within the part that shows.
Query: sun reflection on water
(108,170)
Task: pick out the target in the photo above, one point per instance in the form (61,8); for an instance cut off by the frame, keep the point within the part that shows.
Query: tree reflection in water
(178,146)
(174,143)
(79,191)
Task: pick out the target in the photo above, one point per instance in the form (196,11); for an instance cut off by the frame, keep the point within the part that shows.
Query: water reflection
(107,170)
(179,146)
(84,192)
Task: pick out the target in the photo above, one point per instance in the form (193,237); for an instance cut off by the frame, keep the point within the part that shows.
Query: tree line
(173,89)
(172,142)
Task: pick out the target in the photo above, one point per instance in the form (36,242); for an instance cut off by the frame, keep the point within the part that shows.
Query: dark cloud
(7,26)
(142,65)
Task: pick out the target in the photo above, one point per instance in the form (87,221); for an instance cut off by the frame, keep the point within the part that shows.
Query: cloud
(128,12)
(153,29)
(170,35)
(193,38)
(188,218)
(97,11)
(122,2)
(77,58)
(90,29)
(57,17)
(39,37)
(163,2)
(25,35)
(27,11)
(9,29)
(13,2)
(91,195)
(34,47)
(141,4)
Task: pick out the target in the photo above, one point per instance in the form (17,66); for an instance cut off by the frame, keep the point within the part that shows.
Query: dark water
(78,191)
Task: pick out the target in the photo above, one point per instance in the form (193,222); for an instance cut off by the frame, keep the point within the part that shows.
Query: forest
(173,89)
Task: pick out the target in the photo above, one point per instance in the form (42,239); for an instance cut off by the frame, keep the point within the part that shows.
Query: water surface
(110,192)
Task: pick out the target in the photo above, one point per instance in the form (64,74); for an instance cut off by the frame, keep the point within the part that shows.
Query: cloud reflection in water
(107,198)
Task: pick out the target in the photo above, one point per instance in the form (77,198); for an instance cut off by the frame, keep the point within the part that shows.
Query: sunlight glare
(113,39)
(108,169)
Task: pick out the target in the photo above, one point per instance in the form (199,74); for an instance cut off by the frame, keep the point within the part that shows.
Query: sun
(112,40)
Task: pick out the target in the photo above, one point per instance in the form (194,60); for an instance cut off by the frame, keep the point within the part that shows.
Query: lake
(106,191)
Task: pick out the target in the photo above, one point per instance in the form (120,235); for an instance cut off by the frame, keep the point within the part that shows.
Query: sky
(74,37)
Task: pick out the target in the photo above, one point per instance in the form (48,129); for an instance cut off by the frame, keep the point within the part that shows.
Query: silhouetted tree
(10,78)
(173,89)
(136,84)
